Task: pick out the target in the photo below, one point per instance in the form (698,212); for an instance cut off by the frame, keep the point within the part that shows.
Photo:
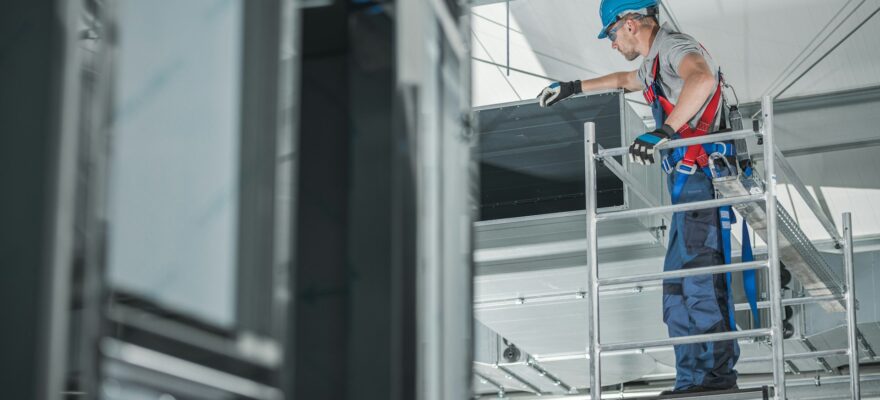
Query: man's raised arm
(558,91)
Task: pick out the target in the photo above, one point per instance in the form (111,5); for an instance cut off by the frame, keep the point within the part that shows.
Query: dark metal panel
(354,333)
(372,140)
(320,291)
(32,64)
(532,158)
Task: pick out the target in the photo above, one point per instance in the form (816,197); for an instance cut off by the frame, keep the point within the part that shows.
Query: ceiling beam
(825,148)
(819,100)
(827,53)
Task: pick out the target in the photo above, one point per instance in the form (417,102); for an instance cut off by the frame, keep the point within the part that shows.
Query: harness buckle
(724,150)
(666,165)
(712,169)
(687,169)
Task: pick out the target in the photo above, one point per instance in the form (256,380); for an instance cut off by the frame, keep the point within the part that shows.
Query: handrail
(682,273)
(696,205)
(706,337)
(715,137)
(812,204)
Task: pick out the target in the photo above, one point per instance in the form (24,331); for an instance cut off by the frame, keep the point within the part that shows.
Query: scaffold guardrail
(775,302)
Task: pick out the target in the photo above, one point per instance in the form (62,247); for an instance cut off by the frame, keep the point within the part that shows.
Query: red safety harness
(695,155)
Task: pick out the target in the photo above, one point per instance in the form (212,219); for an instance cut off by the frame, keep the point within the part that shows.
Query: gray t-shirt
(672,47)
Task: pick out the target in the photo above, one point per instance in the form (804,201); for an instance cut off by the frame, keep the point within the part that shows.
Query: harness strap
(727,218)
(750,277)
(686,163)
(675,155)
(695,157)
(695,154)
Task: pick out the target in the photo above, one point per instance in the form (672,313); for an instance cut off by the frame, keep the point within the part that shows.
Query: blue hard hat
(609,10)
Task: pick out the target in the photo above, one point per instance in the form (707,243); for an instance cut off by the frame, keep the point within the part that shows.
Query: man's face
(624,40)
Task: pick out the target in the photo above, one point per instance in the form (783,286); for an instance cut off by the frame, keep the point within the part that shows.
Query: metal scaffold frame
(595,347)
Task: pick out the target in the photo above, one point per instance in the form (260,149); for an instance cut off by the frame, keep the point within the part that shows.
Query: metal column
(851,322)
(773,252)
(592,261)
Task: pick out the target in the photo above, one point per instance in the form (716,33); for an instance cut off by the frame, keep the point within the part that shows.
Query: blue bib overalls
(699,304)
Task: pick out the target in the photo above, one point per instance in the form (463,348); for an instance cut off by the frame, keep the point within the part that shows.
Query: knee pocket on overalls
(702,303)
(701,229)
(706,315)
(675,313)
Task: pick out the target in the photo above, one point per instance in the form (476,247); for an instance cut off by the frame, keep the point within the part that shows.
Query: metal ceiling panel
(560,326)
(564,275)
(623,368)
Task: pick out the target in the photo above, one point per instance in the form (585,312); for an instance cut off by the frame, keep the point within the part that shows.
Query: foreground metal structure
(596,347)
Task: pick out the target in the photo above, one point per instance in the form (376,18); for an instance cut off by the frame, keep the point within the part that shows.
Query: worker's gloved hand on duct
(558,91)
(642,150)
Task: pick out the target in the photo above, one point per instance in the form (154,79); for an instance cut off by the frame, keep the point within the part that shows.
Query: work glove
(642,150)
(558,91)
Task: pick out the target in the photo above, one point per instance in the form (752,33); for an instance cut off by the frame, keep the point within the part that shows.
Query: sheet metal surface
(532,158)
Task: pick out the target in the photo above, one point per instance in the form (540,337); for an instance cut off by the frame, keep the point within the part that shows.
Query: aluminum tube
(696,205)
(792,302)
(775,289)
(745,381)
(583,356)
(851,321)
(628,180)
(794,356)
(797,356)
(564,296)
(709,337)
(811,202)
(590,190)
(681,273)
(715,137)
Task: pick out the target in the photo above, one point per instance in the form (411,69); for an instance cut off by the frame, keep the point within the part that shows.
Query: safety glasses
(612,30)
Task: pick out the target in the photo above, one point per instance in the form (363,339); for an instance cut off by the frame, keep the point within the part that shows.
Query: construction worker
(682,83)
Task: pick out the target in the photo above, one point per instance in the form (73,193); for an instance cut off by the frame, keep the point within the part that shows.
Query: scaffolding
(594,154)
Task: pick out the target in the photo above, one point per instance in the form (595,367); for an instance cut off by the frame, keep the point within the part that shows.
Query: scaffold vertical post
(593,348)
(773,252)
(851,321)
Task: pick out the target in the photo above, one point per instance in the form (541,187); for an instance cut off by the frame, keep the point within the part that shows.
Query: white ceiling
(758,43)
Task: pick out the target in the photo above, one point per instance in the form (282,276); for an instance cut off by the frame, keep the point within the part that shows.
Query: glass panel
(174,157)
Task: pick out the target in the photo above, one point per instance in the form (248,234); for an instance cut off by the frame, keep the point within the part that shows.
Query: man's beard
(630,56)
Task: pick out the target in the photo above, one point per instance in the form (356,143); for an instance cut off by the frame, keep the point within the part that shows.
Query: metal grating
(795,250)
